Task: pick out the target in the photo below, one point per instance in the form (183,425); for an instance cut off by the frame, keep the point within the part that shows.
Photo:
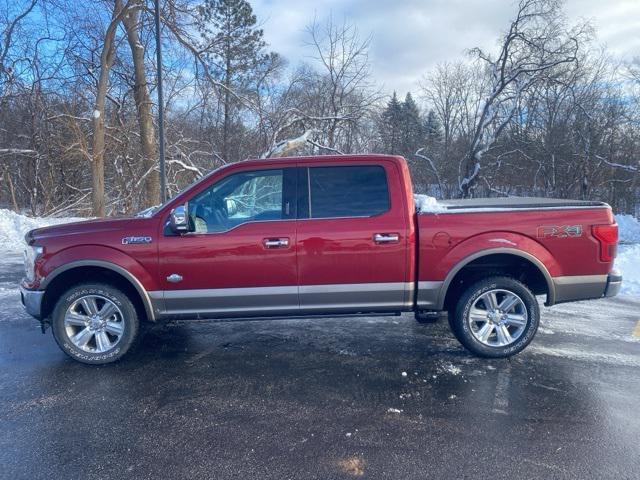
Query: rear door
(352,238)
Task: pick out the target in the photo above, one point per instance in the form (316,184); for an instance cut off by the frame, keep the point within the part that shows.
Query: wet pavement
(376,397)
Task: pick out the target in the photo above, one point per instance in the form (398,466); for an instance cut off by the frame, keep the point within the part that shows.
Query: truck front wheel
(95,323)
(496,317)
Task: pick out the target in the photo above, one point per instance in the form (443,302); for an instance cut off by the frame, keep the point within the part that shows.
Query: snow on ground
(628,262)
(450,368)
(628,259)
(14,226)
(629,228)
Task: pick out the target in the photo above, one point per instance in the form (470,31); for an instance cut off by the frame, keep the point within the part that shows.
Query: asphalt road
(379,397)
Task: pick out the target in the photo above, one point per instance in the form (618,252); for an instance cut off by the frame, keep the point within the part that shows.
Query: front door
(241,258)
(352,239)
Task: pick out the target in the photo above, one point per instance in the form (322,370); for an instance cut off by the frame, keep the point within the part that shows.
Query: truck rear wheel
(496,317)
(95,323)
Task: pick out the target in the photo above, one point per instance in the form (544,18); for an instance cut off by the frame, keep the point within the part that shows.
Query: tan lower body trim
(428,294)
(378,297)
(579,287)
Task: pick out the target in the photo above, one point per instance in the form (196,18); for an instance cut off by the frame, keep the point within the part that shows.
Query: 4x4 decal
(559,231)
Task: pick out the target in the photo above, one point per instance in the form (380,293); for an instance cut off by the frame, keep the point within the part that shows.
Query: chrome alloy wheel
(497,318)
(94,323)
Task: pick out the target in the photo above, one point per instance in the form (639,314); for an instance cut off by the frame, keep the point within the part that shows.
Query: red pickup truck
(314,236)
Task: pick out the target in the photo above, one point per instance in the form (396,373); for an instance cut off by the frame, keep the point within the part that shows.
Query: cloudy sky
(411,36)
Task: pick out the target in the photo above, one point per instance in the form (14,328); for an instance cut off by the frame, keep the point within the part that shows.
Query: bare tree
(445,90)
(144,105)
(9,27)
(107,57)
(535,45)
(344,89)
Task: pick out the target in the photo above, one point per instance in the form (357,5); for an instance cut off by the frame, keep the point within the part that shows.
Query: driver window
(239,198)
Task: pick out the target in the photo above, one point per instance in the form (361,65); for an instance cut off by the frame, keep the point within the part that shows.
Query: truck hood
(128,225)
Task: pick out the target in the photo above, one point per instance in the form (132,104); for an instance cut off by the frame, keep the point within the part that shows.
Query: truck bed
(556,233)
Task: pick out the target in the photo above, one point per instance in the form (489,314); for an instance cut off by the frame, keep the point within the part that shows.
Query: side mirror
(179,219)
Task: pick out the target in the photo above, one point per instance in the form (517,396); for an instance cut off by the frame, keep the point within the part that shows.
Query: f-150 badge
(560,231)
(136,240)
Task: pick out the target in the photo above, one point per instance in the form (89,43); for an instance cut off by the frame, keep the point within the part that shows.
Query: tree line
(548,113)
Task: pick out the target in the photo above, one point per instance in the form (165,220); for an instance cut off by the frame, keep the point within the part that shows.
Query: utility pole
(163,177)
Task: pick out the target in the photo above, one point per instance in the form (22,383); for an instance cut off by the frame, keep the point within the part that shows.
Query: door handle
(275,242)
(386,237)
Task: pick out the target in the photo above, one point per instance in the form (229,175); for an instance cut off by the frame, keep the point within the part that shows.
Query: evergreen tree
(432,129)
(237,53)
(411,127)
(391,126)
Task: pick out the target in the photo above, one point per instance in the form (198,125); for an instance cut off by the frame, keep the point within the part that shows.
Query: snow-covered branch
(285,147)
(18,151)
(628,168)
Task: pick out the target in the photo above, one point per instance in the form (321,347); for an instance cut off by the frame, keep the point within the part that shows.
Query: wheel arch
(74,272)
(503,256)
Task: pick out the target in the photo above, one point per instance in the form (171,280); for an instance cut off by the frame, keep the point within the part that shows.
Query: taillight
(607,235)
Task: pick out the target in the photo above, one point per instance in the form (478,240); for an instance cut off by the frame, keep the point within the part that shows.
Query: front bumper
(32,301)
(614,283)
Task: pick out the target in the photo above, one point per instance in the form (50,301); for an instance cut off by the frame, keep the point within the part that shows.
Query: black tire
(462,328)
(126,316)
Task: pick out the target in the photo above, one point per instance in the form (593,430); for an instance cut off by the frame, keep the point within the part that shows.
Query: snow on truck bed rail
(427,204)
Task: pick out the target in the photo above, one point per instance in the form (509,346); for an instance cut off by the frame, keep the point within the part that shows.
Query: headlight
(30,255)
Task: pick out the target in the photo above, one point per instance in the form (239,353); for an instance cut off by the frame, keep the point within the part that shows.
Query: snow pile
(628,262)
(629,229)
(14,226)
(427,204)
(628,258)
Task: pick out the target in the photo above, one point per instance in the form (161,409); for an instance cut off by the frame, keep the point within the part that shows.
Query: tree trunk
(143,106)
(97,164)
(227,109)
(12,191)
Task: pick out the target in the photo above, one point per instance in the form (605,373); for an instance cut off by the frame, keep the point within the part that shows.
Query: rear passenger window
(354,191)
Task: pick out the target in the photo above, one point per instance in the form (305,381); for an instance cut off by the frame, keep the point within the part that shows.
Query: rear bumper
(585,287)
(614,283)
(32,301)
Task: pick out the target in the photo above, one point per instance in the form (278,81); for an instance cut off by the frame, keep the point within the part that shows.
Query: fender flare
(551,295)
(144,296)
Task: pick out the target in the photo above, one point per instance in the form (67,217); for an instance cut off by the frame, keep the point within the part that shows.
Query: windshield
(151,211)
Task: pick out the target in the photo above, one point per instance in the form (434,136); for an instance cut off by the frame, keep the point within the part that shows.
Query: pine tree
(432,129)
(412,129)
(391,126)
(237,53)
